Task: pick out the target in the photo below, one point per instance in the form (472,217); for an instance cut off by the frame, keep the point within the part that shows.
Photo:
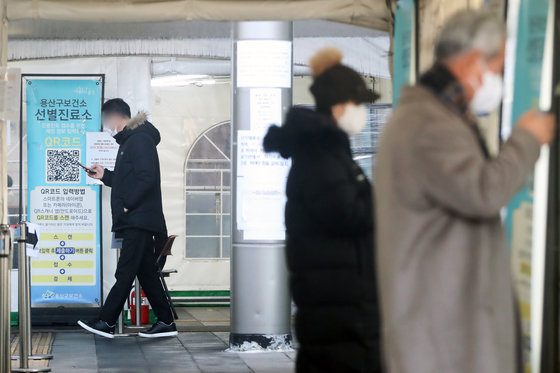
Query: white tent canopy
(194,28)
(365,54)
(365,49)
(368,13)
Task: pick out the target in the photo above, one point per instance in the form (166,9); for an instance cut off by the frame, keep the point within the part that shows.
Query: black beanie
(336,83)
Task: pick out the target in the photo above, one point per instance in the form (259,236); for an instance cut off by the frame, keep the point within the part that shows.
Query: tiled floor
(200,347)
(214,319)
(189,352)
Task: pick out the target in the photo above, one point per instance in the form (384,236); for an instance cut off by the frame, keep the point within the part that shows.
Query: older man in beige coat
(448,303)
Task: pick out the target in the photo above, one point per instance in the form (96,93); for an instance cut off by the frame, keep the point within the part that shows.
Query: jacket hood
(304,129)
(138,124)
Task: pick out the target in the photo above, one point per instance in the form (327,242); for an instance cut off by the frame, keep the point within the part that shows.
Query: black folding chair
(166,251)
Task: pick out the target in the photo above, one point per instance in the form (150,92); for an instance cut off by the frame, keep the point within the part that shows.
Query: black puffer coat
(136,180)
(330,246)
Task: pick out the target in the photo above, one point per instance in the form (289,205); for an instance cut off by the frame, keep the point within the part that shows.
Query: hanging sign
(60,113)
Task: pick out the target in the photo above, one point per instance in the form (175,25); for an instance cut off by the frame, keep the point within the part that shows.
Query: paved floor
(215,319)
(189,352)
(200,347)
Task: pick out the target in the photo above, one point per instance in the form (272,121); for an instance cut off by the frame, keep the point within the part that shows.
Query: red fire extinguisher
(144,308)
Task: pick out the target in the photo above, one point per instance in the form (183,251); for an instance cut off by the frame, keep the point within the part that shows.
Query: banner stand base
(48,316)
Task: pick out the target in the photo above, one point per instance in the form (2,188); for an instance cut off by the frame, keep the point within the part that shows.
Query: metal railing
(24,309)
(5,267)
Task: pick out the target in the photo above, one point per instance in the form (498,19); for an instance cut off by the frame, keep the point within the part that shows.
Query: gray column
(262,81)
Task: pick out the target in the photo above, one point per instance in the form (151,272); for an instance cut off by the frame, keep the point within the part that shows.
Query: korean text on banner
(60,113)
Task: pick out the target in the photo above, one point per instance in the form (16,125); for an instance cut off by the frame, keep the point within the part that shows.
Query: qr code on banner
(62,166)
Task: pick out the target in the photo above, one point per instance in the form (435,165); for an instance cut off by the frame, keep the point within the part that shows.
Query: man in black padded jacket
(330,225)
(138,218)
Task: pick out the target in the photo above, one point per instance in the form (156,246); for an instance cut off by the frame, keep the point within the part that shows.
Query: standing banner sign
(60,112)
(404,69)
(523,241)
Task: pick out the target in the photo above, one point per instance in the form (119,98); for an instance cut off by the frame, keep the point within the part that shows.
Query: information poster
(261,181)
(60,113)
(532,21)
(264,63)
(101,149)
(402,47)
(266,108)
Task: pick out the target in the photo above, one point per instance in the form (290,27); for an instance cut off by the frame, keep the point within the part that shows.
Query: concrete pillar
(261,95)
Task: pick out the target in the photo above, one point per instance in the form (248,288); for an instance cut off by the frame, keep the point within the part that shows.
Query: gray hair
(468,30)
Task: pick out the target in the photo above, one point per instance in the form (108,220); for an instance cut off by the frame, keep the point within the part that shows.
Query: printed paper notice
(266,108)
(101,149)
(264,63)
(261,184)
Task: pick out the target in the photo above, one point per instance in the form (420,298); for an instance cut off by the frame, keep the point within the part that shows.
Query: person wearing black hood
(137,212)
(330,224)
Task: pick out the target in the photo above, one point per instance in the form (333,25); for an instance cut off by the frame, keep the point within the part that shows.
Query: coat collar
(137,121)
(305,130)
(441,81)
(421,93)
(131,127)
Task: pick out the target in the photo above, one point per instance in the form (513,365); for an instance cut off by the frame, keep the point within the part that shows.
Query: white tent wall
(368,55)
(181,114)
(126,77)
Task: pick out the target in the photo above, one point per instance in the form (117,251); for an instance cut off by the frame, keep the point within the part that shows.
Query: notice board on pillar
(264,72)
(60,111)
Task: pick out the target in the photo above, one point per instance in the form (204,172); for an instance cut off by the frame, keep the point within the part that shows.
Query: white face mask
(110,131)
(354,119)
(110,128)
(488,95)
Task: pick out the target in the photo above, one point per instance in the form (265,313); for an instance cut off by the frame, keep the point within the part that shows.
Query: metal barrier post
(137,305)
(120,330)
(5,269)
(138,302)
(32,356)
(24,307)
(22,299)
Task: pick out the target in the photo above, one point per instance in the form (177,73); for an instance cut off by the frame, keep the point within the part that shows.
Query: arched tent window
(208,194)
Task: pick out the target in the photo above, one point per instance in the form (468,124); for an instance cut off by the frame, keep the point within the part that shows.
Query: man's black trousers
(138,258)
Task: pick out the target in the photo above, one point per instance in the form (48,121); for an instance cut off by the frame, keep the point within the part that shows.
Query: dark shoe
(99,327)
(160,329)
